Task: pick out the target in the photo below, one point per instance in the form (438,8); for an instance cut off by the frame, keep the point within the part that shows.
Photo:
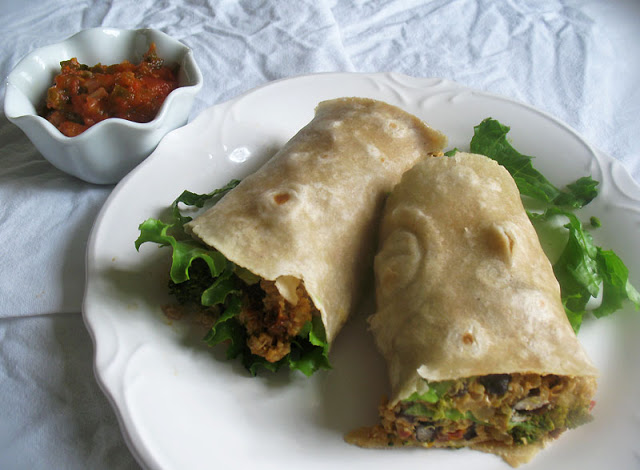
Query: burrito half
(469,319)
(303,226)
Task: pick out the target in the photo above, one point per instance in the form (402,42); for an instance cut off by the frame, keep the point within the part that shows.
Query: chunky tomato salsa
(83,96)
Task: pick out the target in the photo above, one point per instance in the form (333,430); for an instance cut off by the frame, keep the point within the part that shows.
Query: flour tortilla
(463,287)
(311,213)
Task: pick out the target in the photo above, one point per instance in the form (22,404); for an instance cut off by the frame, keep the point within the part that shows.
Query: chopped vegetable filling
(509,409)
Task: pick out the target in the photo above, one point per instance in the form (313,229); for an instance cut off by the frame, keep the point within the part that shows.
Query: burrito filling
(271,321)
(254,316)
(502,409)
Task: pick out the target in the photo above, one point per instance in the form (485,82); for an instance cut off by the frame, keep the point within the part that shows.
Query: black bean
(495,384)
(426,433)
(470,432)
(534,392)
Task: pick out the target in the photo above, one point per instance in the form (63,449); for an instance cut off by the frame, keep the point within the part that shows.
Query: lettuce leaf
(205,276)
(184,252)
(583,268)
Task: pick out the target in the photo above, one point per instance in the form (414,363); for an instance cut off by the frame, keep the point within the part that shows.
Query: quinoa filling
(505,409)
(272,321)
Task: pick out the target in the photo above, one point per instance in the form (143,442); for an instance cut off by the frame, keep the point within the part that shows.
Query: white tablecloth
(579,60)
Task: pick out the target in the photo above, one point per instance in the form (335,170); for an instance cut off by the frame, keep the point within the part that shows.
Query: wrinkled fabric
(53,414)
(574,59)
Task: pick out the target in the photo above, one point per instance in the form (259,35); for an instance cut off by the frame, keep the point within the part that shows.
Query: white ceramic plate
(181,405)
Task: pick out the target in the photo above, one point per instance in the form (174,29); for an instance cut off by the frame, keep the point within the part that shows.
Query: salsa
(83,96)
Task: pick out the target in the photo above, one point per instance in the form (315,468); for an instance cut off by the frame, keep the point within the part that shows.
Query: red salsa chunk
(83,96)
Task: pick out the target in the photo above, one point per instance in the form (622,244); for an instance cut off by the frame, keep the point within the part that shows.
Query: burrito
(300,230)
(469,319)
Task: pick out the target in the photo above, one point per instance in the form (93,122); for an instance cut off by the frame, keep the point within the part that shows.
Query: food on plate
(469,319)
(284,255)
(82,96)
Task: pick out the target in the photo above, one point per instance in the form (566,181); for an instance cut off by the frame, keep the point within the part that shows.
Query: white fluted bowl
(107,151)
